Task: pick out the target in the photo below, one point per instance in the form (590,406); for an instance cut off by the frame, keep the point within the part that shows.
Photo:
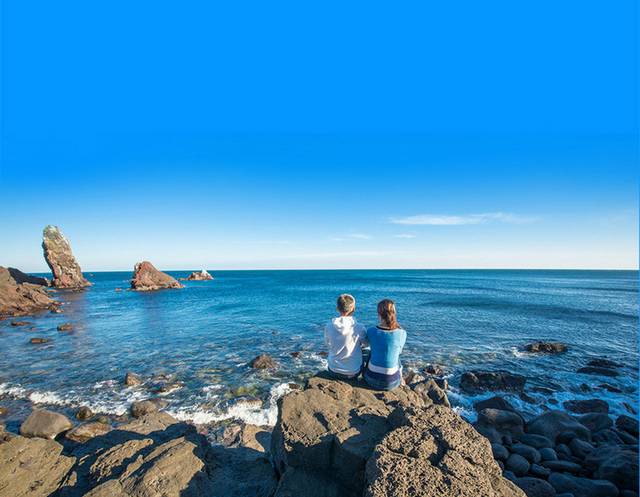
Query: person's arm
(364,339)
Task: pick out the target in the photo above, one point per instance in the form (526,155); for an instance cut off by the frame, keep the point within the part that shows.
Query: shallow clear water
(205,334)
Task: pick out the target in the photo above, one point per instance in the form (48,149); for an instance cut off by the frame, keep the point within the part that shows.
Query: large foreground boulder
(32,467)
(21,299)
(328,433)
(146,277)
(435,453)
(551,424)
(21,277)
(64,267)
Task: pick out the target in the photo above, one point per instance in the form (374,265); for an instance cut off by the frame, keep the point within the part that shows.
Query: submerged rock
(65,327)
(263,361)
(132,379)
(202,275)
(546,347)
(21,299)
(64,267)
(477,381)
(597,370)
(45,424)
(146,278)
(39,340)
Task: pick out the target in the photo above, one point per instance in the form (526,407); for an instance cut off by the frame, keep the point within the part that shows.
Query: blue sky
(291,135)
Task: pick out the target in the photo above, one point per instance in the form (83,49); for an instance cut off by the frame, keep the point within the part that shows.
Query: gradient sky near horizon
(328,135)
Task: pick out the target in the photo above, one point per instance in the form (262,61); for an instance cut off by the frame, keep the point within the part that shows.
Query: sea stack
(146,277)
(21,298)
(57,252)
(200,276)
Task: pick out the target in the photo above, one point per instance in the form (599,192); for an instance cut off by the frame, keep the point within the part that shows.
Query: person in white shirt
(345,338)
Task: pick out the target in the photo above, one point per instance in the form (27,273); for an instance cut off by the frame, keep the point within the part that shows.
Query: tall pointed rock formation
(57,252)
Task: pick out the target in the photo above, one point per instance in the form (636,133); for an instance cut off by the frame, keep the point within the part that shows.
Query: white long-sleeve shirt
(344,338)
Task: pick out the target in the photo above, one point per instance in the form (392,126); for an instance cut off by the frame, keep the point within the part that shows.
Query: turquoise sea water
(204,335)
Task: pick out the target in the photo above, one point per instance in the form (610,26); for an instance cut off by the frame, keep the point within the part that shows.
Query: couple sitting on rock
(345,339)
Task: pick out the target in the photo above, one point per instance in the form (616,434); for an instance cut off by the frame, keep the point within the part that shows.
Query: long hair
(387,313)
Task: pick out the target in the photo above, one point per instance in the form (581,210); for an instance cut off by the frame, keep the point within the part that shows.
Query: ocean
(203,336)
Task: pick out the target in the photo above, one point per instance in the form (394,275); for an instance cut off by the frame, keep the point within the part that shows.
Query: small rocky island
(202,275)
(64,267)
(147,278)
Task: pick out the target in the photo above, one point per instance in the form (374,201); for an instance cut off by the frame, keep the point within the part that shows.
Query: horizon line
(84,271)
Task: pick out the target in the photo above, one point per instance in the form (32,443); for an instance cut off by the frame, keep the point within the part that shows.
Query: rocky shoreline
(331,438)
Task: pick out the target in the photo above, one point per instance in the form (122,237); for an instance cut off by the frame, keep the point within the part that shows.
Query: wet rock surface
(478,381)
(60,259)
(147,278)
(263,361)
(546,347)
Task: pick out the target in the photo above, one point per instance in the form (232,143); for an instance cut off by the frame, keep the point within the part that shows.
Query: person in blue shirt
(384,371)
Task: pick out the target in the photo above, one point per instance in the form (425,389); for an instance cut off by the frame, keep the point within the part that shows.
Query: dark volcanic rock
(20,277)
(598,371)
(604,363)
(496,402)
(57,252)
(584,406)
(263,361)
(628,424)
(535,487)
(546,347)
(200,276)
(146,278)
(596,421)
(582,487)
(553,423)
(21,299)
(517,464)
(477,381)
(536,441)
(45,424)
(504,422)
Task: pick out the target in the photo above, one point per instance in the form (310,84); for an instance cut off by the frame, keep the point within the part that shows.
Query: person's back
(387,340)
(344,338)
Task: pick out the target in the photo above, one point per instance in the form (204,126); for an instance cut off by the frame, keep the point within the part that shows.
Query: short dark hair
(346,304)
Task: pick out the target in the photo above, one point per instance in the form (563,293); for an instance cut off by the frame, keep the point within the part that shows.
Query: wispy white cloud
(448,220)
(351,236)
(404,235)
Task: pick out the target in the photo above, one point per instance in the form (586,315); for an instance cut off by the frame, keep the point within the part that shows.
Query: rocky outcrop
(146,278)
(21,299)
(546,347)
(202,275)
(32,467)
(64,267)
(479,381)
(20,277)
(338,438)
